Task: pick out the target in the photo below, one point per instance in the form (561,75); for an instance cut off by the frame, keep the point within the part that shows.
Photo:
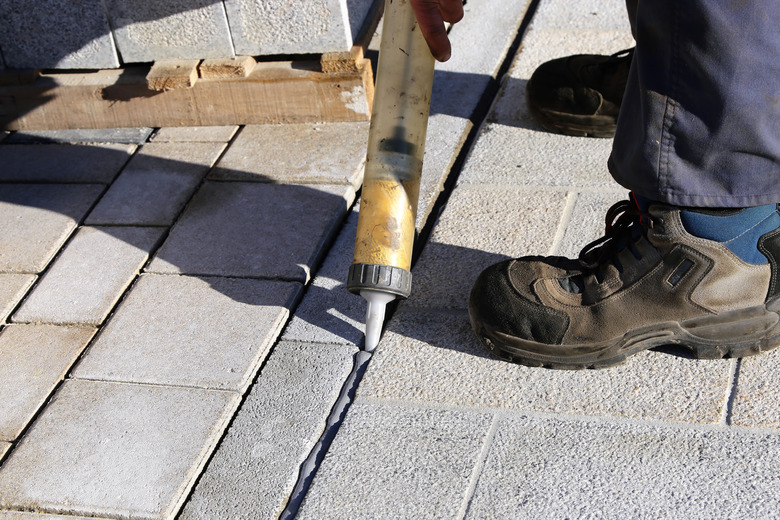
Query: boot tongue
(641,203)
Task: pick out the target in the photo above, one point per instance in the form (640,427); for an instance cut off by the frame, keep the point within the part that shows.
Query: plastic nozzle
(375,315)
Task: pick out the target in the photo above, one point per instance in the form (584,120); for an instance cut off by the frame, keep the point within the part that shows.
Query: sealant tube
(396,143)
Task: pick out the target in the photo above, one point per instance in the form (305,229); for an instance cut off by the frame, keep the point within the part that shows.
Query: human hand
(431,15)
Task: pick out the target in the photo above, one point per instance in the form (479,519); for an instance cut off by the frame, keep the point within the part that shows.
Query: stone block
(277,27)
(194,134)
(255,230)
(20,515)
(434,358)
(331,153)
(756,402)
(587,15)
(5,447)
(518,156)
(478,228)
(156,183)
(37,220)
(586,222)
(56,34)
(63,162)
(115,450)
(390,462)
(555,468)
(170,30)
(12,288)
(186,331)
(89,276)
(33,361)
(85,136)
(277,426)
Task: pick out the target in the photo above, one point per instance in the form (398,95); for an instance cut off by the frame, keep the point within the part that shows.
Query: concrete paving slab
(755,400)
(389,462)
(37,220)
(18,515)
(331,153)
(156,183)
(478,228)
(118,450)
(539,46)
(424,352)
(89,276)
(510,155)
(12,288)
(587,15)
(195,134)
(280,27)
(87,135)
(553,468)
(5,447)
(33,361)
(329,313)
(34,35)
(586,222)
(63,162)
(170,30)
(277,426)
(185,331)
(255,230)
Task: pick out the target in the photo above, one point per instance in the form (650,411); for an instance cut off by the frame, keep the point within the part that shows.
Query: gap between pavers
(33,361)
(116,450)
(389,462)
(12,288)
(548,467)
(257,463)
(756,402)
(82,136)
(194,134)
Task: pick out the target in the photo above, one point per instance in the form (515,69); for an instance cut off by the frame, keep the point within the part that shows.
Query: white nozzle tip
(375,315)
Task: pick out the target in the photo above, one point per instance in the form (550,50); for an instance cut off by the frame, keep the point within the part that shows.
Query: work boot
(662,275)
(579,95)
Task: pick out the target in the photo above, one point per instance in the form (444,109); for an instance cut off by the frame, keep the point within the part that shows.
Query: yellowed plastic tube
(380,271)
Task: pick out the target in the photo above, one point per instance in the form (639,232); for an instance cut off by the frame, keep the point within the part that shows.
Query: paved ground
(176,333)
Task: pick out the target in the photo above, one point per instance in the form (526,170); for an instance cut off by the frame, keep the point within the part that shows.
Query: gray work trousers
(700,120)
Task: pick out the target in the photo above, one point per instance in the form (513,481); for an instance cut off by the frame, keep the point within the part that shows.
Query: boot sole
(734,334)
(573,124)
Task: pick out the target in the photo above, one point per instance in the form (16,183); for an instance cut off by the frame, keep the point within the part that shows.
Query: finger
(431,23)
(451,10)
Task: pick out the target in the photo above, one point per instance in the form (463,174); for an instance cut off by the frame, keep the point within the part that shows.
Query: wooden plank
(274,92)
(215,68)
(168,75)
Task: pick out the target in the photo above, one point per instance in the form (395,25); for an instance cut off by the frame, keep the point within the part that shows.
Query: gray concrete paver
(12,288)
(278,424)
(155,184)
(389,462)
(585,15)
(254,229)
(331,153)
(89,276)
(4,448)
(19,515)
(87,135)
(479,227)
(37,220)
(556,468)
(194,134)
(119,450)
(33,361)
(191,331)
(756,401)
(98,163)
(424,353)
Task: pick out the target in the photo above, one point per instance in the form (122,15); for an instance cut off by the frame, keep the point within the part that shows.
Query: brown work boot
(649,282)
(579,95)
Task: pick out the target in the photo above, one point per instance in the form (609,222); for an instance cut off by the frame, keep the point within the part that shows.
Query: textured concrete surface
(89,276)
(195,134)
(33,361)
(756,398)
(278,424)
(37,220)
(111,449)
(187,331)
(4,448)
(331,153)
(155,184)
(169,30)
(98,135)
(63,163)
(56,34)
(397,463)
(556,468)
(12,288)
(18,515)
(228,228)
